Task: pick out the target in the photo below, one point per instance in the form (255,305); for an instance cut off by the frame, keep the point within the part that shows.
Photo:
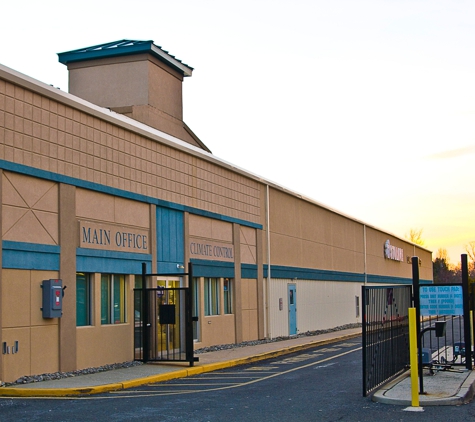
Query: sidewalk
(135,376)
(444,388)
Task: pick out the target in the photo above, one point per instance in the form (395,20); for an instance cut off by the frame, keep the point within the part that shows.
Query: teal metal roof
(124,48)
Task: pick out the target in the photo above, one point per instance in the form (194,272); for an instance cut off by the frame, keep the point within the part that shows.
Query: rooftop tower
(135,78)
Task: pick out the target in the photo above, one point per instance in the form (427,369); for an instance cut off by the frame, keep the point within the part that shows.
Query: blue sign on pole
(441,300)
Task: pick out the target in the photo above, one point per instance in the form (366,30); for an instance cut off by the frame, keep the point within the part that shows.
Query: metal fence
(160,325)
(447,350)
(449,303)
(443,303)
(163,319)
(385,333)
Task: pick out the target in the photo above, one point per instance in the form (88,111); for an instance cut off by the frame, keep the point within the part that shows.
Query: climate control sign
(203,249)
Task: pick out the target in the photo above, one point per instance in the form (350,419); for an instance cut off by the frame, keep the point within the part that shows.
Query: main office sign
(215,251)
(113,238)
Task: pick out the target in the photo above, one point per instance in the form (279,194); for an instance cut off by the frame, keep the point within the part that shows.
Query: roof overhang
(124,48)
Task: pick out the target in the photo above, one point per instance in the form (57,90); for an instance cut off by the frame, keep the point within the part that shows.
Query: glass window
(83,299)
(169,283)
(211,296)
(138,298)
(113,299)
(228,296)
(138,281)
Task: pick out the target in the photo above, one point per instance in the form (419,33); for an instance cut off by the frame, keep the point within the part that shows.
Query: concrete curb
(181,373)
(464,395)
(467,390)
(379,396)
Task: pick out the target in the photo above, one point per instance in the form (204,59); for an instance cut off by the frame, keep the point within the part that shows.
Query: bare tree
(415,236)
(443,271)
(470,248)
(442,254)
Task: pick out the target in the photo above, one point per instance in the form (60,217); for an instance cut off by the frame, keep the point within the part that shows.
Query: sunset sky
(366,106)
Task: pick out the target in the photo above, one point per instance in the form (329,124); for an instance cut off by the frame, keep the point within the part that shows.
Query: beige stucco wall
(211,229)
(104,208)
(23,322)
(42,128)
(308,236)
(111,82)
(137,86)
(114,341)
(214,329)
(47,130)
(377,264)
(125,81)
(250,327)
(30,209)
(29,214)
(217,329)
(96,206)
(248,240)
(246,318)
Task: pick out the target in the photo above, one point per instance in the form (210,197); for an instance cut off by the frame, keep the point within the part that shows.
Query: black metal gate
(163,321)
(449,347)
(385,333)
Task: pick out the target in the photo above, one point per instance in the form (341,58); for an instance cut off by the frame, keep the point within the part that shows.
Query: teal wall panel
(30,256)
(97,261)
(204,268)
(170,238)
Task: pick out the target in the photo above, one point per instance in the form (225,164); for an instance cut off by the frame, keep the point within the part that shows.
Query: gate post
(363,303)
(145,316)
(466,313)
(417,305)
(189,317)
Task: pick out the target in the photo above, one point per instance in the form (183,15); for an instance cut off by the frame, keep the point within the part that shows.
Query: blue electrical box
(426,356)
(52,298)
(459,350)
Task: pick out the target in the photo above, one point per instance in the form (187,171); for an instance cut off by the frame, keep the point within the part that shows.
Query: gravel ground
(59,375)
(273,340)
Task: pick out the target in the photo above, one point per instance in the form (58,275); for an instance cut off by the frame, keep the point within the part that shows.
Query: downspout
(267,284)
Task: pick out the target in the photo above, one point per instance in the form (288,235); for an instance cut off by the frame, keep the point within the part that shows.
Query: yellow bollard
(413,357)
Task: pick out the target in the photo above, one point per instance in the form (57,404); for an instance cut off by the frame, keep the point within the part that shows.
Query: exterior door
(161,324)
(292,299)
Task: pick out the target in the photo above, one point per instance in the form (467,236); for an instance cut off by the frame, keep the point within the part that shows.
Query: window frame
(228,296)
(211,296)
(86,293)
(113,299)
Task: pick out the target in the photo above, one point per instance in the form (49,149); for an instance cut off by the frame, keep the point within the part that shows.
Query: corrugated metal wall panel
(320,305)
(326,304)
(279,319)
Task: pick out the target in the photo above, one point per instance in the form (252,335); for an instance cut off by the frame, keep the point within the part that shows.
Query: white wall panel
(278,319)
(320,305)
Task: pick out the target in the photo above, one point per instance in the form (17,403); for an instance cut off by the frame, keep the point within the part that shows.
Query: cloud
(453,153)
